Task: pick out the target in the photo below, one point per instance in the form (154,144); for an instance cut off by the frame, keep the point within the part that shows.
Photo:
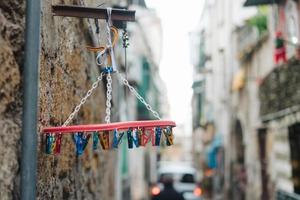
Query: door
(294,139)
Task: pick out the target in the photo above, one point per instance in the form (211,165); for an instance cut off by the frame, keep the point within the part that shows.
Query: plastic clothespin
(58,139)
(145,138)
(50,143)
(130,138)
(95,140)
(169,136)
(152,135)
(81,141)
(157,136)
(117,138)
(135,138)
(139,133)
(104,140)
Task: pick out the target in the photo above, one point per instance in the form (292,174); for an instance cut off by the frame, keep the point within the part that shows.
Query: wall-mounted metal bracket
(92,12)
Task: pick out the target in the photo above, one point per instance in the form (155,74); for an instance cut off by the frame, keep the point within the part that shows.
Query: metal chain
(108,76)
(83,100)
(138,96)
(108,98)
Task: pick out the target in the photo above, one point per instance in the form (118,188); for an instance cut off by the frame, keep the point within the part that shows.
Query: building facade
(250,96)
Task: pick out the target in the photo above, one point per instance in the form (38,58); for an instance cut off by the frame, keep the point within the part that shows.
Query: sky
(178,19)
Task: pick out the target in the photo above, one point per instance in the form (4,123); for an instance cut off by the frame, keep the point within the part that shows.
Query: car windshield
(178,177)
(187,178)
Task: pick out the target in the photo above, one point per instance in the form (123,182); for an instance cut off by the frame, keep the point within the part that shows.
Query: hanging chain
(138,96)
(83,100)
(125,39)
(108,75)
(108,98)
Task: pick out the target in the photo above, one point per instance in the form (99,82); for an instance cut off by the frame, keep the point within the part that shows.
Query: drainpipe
(30,100)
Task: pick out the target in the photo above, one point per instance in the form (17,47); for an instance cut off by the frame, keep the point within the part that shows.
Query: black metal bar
(30,100)
(91,12)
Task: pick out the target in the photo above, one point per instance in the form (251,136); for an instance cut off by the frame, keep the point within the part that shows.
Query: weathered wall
(11,56)
(67,70)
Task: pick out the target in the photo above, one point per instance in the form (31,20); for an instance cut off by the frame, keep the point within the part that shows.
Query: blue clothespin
(50,143)
(81,141)
(117,138)
(136,138)
(157,136)
(130,139)
(85,139)
(95,140)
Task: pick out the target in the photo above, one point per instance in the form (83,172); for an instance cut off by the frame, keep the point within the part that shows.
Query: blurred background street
(226,71)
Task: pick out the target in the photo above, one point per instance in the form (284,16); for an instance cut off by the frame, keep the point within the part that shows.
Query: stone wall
(11,58)
(67,70)
(281,83)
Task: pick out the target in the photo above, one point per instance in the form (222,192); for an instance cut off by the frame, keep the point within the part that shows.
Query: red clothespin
(58,139)
(145,138)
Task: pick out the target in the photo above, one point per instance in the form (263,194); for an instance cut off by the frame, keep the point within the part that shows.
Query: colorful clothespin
(152,135)
(58,138)
(81,141)
(145,138)
(104,140)
(95,140)
(169,136)
(157,136)
(50,143)
(130,138)
(139,133)
(133,138)
(136,138)
(117,138)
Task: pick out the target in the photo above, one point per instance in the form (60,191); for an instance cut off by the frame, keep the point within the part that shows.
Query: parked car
(184,181)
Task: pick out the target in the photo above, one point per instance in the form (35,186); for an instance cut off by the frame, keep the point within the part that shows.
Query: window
(187,178)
